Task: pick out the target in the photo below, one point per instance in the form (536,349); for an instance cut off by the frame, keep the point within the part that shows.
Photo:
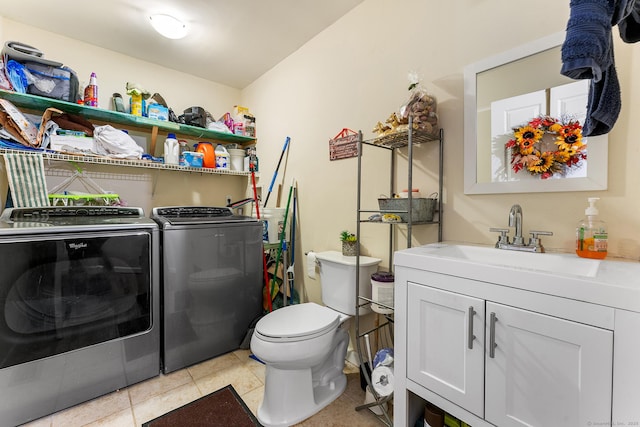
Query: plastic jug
(209,157)
(171,150)
(222,157)
(136,105)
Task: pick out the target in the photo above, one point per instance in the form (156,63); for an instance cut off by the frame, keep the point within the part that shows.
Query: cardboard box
(158,112)
(20,127)
(73,144)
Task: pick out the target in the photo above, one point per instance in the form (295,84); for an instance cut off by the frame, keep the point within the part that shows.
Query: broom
(268,307)
(273,288)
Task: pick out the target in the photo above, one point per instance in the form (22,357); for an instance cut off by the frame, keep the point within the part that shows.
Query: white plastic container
(222,157)
(237,159)
(382,291)
(273,220)
(171,150)
(415,193)
(192,159)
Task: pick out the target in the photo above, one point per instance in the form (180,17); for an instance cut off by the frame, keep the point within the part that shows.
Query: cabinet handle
(492,335)
(470,336)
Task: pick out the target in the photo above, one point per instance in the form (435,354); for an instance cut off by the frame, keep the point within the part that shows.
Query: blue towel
(629,25)
(587,53)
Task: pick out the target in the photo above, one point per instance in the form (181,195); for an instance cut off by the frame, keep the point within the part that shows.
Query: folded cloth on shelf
(27,183)
(114,143)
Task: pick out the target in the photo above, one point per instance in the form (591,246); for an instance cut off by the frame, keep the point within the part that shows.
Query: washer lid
(298,322)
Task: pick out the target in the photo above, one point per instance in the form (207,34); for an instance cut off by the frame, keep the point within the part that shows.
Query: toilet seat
(298,322)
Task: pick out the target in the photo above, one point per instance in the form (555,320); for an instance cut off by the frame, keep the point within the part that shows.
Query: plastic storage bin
(382,291)
(192,159)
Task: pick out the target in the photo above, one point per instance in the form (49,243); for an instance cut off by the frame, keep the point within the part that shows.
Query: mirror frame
(596,178)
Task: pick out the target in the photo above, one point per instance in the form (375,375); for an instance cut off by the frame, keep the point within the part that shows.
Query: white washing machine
(79,306)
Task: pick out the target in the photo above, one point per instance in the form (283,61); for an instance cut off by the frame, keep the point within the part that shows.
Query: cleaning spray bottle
(91,92)
(591,234)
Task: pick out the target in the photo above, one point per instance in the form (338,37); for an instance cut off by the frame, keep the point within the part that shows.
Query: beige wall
(355,74)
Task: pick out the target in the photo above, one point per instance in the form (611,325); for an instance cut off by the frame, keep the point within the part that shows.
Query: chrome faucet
(515,220)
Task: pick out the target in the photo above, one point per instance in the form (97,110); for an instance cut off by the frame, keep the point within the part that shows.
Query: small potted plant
(349,243)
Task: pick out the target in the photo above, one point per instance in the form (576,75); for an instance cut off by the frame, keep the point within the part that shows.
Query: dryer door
(64,292)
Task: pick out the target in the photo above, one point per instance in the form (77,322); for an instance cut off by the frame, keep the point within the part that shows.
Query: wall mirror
(528,76)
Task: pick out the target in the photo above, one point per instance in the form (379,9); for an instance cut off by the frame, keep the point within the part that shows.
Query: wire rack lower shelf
(144,164)
(381,335)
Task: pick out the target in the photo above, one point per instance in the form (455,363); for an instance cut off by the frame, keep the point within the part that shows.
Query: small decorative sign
(343,145)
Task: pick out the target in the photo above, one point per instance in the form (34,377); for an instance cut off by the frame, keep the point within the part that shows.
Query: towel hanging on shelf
(27,183)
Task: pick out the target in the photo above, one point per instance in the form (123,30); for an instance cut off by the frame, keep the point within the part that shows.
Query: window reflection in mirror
(531,68)
(533,73)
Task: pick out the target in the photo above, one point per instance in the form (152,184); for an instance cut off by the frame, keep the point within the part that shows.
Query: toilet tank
(338,279)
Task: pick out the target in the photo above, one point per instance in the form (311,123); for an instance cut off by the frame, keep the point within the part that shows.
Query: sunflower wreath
(544,157)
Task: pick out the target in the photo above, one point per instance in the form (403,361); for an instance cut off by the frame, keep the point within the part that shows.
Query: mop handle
(255,192)
(282,236)
(264,256)
(275,173)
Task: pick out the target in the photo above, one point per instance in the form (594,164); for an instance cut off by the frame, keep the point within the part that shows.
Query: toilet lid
(298,322)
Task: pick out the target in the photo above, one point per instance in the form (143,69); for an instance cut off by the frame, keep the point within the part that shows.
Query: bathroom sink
(554,263)
(612,283)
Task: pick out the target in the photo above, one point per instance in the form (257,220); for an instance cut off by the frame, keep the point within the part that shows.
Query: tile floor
(149,399)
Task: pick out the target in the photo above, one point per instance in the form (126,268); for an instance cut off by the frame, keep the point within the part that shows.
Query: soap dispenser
(591,234)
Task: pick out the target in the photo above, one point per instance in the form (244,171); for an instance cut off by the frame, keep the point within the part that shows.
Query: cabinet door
(546,371)
(442,353)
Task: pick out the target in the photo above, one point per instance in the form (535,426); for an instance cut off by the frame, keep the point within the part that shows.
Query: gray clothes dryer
(211,281)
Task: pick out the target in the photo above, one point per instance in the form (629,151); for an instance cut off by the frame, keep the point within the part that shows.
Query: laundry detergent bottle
(591,234)
(222,157)
(171,150)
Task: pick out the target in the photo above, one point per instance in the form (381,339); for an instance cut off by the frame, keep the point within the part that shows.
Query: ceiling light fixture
(168,26)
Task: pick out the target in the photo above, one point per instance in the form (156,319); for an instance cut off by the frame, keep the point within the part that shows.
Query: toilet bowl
(304,346)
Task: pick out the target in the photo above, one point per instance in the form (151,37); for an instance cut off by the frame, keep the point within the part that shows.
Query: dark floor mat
(222,408)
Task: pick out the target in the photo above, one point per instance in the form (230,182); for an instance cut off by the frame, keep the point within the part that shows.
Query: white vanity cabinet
(442,354)
(545,371)
(493,351)
(542,371)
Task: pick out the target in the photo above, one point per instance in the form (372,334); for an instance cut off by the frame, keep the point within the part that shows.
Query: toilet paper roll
(311,264)
(382,380)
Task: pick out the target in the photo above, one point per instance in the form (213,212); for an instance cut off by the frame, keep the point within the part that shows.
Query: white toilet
(304,346)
